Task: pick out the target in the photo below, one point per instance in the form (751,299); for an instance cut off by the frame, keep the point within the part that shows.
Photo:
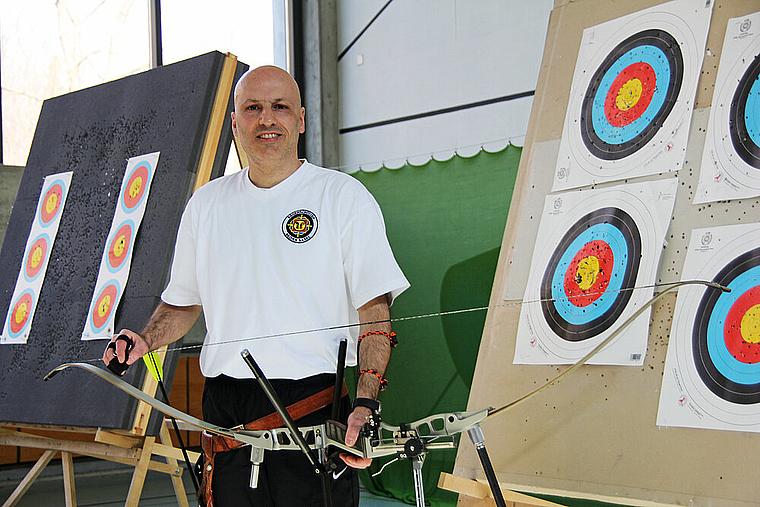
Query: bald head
(273,79)
(267,121)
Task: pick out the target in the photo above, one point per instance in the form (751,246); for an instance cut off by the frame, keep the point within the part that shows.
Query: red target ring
(630,94)
(118,249)
(136,186)
(20,313)
(51,203)
(742,327)
(104,305)
(588,274)
(35,259)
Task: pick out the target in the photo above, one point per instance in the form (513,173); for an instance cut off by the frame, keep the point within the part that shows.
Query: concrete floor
(105,484)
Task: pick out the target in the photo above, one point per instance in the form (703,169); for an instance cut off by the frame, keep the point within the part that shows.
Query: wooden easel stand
(125,449)
(482,492)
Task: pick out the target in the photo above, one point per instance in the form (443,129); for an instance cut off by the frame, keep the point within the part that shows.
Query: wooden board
(594,435)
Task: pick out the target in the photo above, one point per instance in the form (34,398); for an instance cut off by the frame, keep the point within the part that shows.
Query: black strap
(116,367)
(369,403)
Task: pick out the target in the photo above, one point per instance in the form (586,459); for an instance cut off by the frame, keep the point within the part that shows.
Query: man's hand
(356,420)
(167,324)
(139,349)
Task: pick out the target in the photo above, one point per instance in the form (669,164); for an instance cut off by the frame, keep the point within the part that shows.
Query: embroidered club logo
(300,226)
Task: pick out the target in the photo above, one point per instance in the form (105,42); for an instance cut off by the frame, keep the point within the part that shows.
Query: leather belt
(213,444)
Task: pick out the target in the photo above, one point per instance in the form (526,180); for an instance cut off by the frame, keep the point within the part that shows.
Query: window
(53,47)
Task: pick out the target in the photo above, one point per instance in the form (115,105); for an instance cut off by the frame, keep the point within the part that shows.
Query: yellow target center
(585,274)
(20,313)
(134,189)
(51,203)
(750,326)
(103,306)
(629,94)
(118,247)
(36,257)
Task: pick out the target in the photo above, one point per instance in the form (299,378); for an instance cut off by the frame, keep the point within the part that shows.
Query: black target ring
(745,137)
(662,43)
(712,377)
(593,223)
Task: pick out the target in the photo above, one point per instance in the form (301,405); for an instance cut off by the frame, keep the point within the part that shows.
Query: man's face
(268,116)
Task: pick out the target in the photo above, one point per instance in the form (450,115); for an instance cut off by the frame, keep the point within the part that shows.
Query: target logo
(300,226)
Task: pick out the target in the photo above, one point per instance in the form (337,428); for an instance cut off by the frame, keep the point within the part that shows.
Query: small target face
(744,116)
(19,316)
(104,306)
(120,245)
(726,333)
(36,257)
(631,94)
(136,188)
(51,203)
(587,282)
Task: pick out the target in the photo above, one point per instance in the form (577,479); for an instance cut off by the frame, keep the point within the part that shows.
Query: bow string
(167,409)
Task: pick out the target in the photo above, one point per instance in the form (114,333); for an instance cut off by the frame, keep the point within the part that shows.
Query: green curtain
(445,222)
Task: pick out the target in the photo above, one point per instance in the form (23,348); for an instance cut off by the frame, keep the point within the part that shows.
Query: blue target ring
(618,230)
(726,364)
(744,115)
(655,58)
(659,50)
(721,373)
(616,241)
(752,112)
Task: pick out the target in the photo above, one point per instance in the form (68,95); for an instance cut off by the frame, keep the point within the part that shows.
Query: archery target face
(593,248)
(713,362)
(116,259)
(104,306)
(20,313)
(631,96)
(731,158)
(136,188)
(586,283)
(51,203)
(31,272)
(36,257)
(120,246)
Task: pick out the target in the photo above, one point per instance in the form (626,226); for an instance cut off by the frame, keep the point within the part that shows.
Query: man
(280,248)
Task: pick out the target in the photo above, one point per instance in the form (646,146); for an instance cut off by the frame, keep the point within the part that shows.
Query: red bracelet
(391,337)
(383,380)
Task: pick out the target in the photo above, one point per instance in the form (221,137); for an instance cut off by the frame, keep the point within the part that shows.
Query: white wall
(425,55)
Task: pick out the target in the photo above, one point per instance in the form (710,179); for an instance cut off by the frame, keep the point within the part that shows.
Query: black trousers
(286,478)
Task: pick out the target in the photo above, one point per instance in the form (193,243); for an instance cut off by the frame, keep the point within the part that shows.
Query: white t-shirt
(302,255)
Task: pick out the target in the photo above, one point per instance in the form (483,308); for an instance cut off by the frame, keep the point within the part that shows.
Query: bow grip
(115,366)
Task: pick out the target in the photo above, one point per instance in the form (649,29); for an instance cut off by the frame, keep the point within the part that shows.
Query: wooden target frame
(182,110)
(594,435)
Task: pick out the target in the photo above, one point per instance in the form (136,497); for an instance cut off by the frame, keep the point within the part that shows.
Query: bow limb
(606,341)
(142,396)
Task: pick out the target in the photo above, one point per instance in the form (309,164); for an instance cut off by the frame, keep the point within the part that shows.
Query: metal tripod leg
(419,492)
(479,441)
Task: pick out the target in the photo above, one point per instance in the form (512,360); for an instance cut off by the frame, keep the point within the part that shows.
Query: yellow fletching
(153,362)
